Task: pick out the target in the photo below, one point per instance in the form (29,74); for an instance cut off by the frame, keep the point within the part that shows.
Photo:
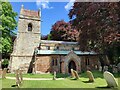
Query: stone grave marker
(118,67)
(100,68)
(110,79)
(18,83)
(90,75)
(72,73)
(105,68)
(21,77)
(76,74)
(54,75)
(4,73)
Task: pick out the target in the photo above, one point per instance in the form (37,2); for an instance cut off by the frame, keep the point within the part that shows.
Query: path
(36,78)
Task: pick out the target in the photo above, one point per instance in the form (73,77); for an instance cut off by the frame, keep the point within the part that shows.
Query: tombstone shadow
(102,87)
(87,82)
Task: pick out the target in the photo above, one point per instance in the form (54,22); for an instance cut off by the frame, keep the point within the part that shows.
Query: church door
(71,65)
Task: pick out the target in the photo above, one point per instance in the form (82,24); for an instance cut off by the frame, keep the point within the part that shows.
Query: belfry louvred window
(29,27)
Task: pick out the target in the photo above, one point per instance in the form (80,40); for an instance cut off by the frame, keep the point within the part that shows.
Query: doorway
(71,65)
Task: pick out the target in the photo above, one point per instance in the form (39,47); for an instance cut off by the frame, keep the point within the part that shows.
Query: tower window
(29,27)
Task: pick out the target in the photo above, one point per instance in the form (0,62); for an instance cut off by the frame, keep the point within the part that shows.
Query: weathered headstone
(4,73)
(72,73)
(115,70)
(100,68)
(118,67)
(90,75)
(76,74)
(21,77)
(18,83)
(110,79)
(105,68)
(54,75)
(0,73)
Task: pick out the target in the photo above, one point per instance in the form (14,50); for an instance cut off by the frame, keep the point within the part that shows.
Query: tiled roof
(30,13)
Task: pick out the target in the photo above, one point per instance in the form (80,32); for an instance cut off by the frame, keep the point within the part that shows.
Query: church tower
(28,38)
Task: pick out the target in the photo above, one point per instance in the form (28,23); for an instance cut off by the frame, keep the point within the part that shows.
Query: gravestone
(118,67)
(72,73)
(76,74)
(0,73)
(110,79)
(4,73)
(19,78)
(18,83)
(105,68)
(90,75)
(54,76)
(115,70)
(100,68)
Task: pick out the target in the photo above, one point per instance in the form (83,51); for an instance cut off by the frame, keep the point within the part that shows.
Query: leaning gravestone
(72,73)
(4,73)
(18,83)
(91,77)
(118,67)
(76,74)
(21,77)
(54,76)
(110,79)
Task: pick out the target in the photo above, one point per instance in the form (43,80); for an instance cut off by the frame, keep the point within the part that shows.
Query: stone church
(33,55)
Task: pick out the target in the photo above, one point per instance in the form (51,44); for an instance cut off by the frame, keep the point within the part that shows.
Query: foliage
(49,37)
(62,30)
(7,27)
(97,23)
(5,63)
(99,27)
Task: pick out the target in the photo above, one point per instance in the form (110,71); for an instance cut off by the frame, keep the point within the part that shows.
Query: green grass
(67,83)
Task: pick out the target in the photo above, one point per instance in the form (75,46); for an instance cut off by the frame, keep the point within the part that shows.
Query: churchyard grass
(66,83)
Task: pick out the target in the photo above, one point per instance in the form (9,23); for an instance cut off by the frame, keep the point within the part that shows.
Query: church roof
(57,42)
(62,52)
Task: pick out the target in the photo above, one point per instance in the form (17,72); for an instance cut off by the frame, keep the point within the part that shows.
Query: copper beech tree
(62,30)
(98,24)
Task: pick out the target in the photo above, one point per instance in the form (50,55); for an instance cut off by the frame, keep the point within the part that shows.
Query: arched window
(29,27)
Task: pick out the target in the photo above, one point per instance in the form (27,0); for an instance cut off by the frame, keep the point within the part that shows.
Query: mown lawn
(99,83)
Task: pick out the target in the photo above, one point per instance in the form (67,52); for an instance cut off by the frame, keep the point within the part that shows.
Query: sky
(51,11)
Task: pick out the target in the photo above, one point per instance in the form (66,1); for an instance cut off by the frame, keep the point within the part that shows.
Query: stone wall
(22,63)
(92,64)
(43,64)
(26,40)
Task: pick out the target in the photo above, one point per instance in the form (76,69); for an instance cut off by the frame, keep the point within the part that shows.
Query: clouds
(43,3)
(69,5)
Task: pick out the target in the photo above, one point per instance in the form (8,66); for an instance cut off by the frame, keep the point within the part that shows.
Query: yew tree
(63,31)
(98,24)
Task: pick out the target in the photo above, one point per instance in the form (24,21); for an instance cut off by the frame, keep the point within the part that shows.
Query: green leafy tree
(7,27)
